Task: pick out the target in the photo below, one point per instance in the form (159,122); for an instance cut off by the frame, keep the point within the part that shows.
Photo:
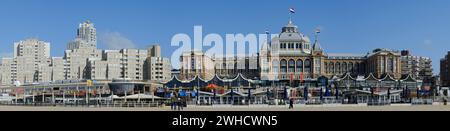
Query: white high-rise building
(117,64)
(86,37)
(88,33)
(157,68)
(133,63)
(77,59)
(58,71)
(32,58)
(6,69)
(80,50)
(31,63)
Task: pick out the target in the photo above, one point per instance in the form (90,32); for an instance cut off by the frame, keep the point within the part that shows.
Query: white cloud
(115,40)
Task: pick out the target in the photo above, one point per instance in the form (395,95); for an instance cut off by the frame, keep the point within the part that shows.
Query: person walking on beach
(173,103)
(291,104)
(180,104)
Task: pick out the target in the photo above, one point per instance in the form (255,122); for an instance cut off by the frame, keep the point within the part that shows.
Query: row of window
(340,68)
(293,45)
(293,66)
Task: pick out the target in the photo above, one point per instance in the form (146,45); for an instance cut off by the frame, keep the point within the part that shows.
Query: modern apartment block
(417,66)
(82,60)
(30,63)
(117,64)
(157,68)
(445,71)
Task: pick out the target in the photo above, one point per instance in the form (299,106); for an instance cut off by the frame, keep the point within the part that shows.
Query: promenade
(242,108)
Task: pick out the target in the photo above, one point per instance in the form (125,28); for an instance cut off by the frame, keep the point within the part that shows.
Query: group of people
(176,102)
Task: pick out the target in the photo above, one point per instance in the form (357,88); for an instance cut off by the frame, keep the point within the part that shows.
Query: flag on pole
(292,10)
(292,78)
(301,77)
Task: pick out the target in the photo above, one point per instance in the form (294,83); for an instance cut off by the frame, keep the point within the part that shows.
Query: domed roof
(290,33)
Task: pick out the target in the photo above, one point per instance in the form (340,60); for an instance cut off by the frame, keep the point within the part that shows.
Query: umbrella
(212,87)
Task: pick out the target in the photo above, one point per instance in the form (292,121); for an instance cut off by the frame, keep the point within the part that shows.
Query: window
(350,67)
(299,66)
(331,70)
(275,65)
(307,66)
(317,64)
(291,45)
(291,66)
(357,68)
(283,64)
(390,65)
(382,64)
(338,68)
(344,67)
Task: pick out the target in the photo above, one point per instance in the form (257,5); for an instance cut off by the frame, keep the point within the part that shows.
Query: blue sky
(348,26)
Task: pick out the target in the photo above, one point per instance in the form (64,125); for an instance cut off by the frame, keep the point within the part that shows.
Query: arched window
(326,67)
(344,67)
(307,65)
(224,66)
(338,68)
(362,66)
(299,65)
(332,68)
(391,64)
(350,67)
(291,65)
(275,65)
(283,64)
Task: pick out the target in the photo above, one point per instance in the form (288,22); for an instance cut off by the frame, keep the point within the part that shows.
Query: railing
(147,104)
(422,101)
(84,104)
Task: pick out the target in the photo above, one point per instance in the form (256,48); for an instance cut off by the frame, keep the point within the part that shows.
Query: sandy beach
(241,108)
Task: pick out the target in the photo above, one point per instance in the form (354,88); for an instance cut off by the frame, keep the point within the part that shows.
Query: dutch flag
(292,10)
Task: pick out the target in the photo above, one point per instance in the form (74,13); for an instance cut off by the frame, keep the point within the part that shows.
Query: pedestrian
(291,104)
(173,103)
(180,106)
